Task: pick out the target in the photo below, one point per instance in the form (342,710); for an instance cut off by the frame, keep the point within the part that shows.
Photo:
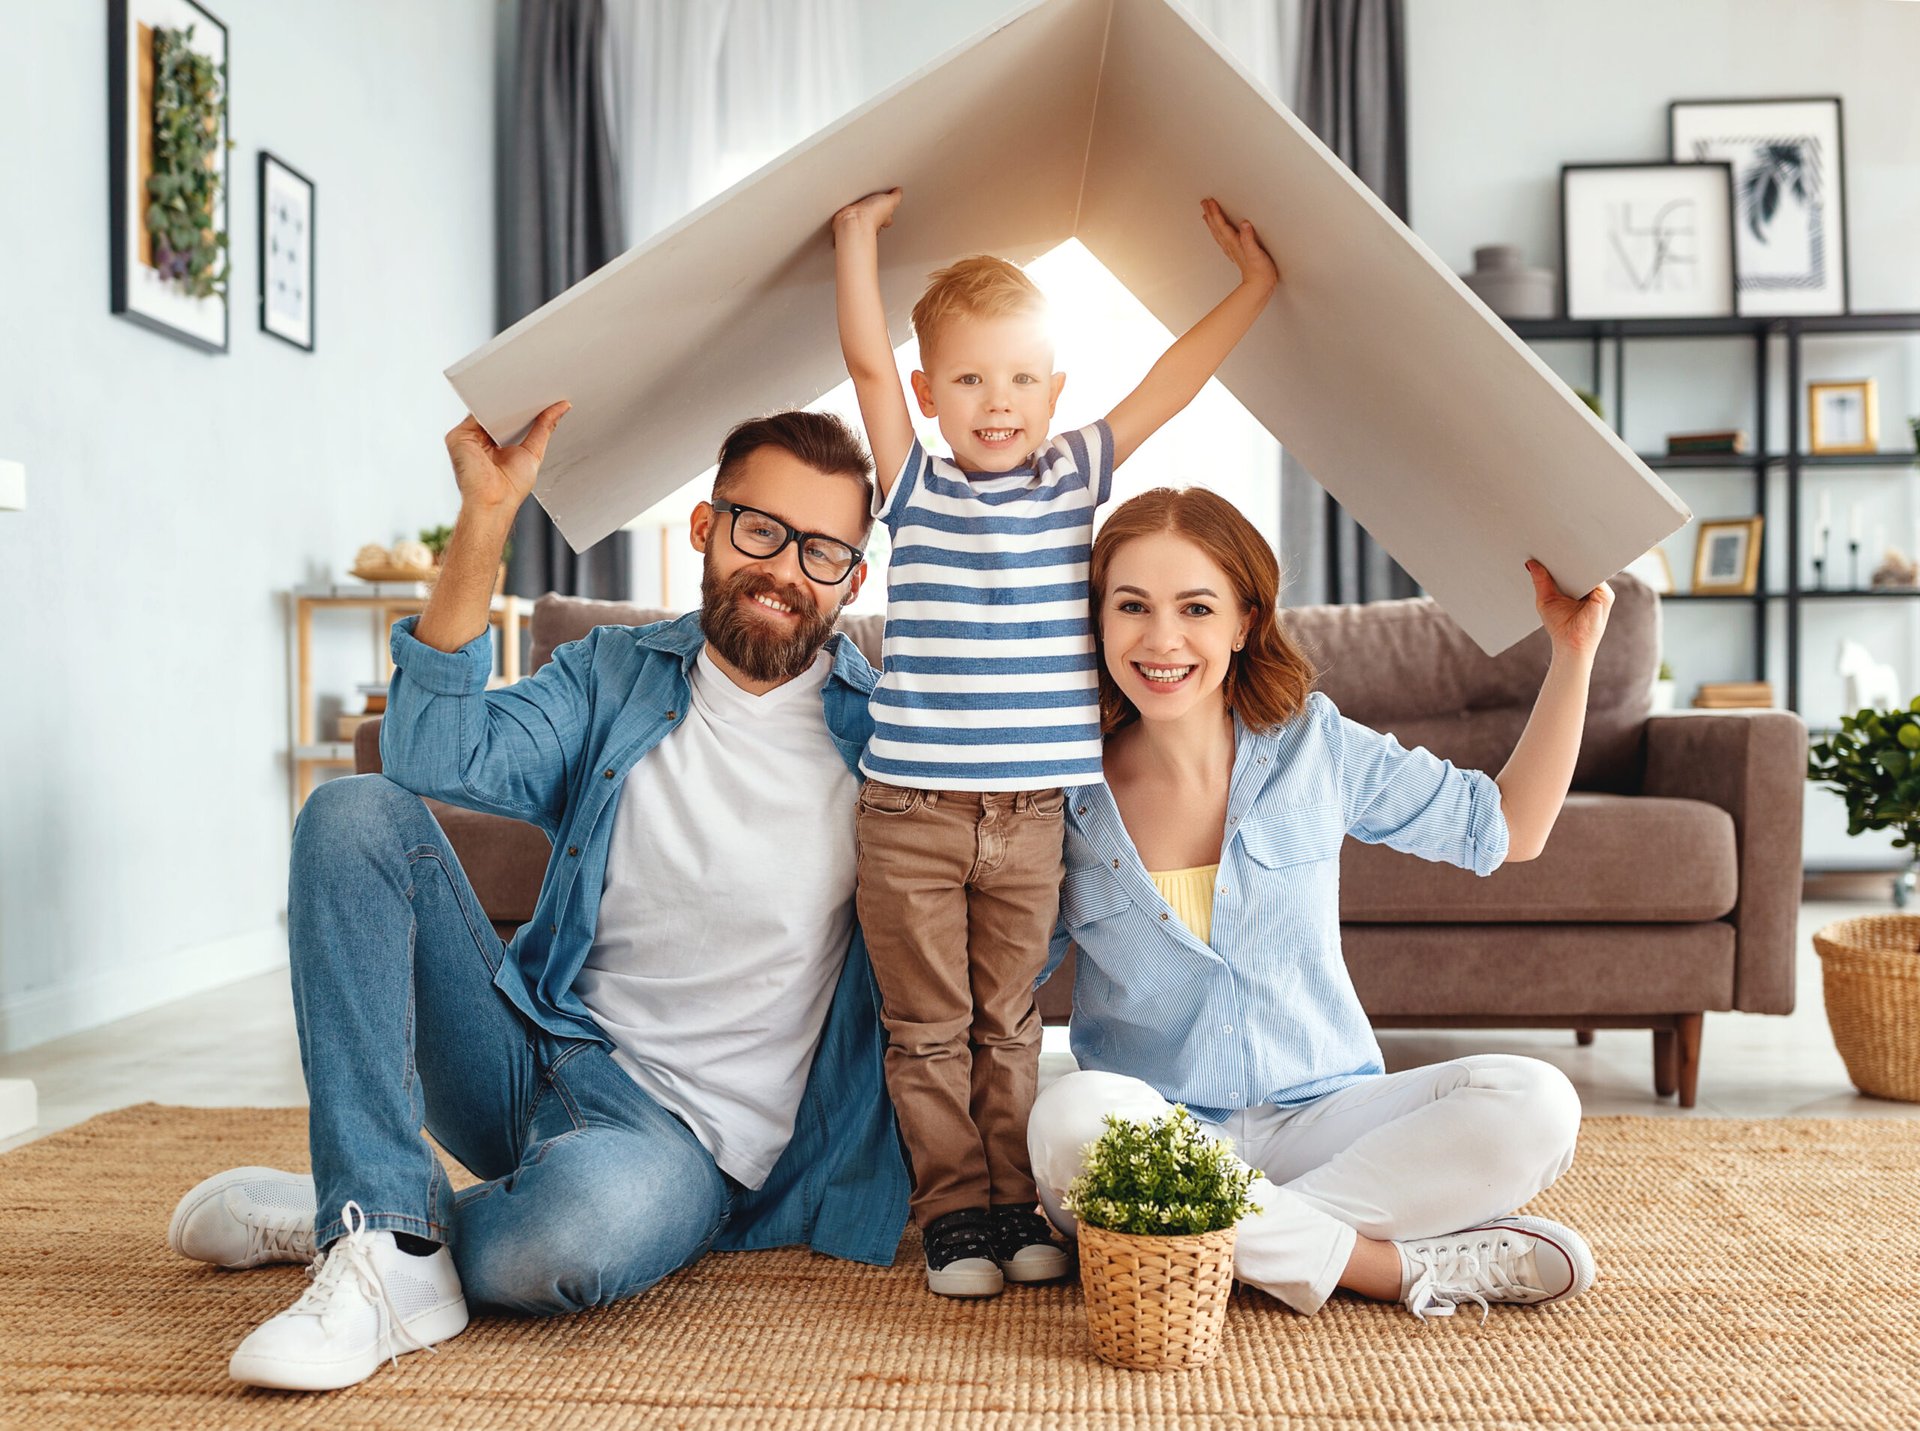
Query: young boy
(987,704)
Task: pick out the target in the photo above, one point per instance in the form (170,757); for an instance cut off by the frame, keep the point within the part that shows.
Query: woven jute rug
(1752,1274)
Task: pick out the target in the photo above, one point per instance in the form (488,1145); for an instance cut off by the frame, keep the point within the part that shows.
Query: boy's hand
(1575,625)
(1242,245)
(871,214)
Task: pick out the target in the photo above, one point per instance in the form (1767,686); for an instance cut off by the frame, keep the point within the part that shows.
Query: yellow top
(1190,892)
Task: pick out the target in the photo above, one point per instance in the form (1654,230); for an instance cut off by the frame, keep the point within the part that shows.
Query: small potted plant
(1870,966)
(1157,1203)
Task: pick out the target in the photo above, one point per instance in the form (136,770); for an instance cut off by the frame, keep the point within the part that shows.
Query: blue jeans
(593,1191)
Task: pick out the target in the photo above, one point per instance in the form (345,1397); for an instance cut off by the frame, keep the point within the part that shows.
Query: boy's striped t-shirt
(988,678)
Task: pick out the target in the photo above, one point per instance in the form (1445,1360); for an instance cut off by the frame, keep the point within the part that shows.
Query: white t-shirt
(727,911)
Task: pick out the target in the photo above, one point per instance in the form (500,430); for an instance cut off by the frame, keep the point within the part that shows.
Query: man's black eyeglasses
(825,559)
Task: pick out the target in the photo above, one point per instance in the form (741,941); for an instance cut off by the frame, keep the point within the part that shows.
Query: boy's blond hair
(981,287)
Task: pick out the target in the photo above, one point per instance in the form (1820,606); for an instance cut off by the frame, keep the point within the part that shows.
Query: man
(682,1050)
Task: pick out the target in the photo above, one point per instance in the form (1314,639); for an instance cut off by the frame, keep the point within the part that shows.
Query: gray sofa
(1670,887)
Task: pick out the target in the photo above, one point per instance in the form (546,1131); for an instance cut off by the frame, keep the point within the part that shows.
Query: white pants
(1404,1155)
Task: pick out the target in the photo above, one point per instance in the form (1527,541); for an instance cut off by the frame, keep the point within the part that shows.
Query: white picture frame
(1647,240)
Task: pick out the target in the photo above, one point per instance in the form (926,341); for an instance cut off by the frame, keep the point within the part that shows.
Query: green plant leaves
(189,110)
(1873,760)
(1162,1177)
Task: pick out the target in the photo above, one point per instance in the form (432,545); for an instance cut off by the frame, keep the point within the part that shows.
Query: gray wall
(174,494)
(1502,92)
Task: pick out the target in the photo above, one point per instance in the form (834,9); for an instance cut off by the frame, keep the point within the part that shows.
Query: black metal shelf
(1790,463)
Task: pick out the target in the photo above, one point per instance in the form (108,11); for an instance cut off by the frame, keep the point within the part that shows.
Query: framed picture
(1647,240)
(1843,417)
(1654,570)
(286,252)
(1790,198)
(167,125)
(1726,562)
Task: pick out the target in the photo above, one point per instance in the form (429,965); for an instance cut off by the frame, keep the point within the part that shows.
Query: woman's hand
(1241,244)
(491,476)
(1574,624)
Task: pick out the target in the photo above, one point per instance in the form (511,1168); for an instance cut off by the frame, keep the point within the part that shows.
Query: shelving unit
(1608,339)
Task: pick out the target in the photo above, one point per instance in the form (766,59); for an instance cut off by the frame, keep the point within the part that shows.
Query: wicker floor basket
(1155,1302)
(1870,968)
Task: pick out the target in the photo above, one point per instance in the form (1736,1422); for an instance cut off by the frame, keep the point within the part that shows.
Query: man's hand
(492,476)
(868,215)
(1239,243)
(1574,625)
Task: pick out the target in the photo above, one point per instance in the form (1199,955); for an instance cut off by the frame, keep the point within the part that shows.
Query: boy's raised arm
(1185,367)
(864,340)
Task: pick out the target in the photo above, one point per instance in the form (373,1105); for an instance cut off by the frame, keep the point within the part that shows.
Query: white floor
(235,1047)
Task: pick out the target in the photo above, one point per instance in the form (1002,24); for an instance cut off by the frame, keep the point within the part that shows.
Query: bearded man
(683,1049)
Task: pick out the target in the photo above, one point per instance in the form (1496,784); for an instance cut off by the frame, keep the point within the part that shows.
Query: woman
(1203,892)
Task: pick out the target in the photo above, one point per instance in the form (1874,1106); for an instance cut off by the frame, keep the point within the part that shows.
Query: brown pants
(958,896)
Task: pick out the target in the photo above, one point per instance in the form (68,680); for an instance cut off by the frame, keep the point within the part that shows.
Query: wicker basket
(1870,968)
(1155,1302)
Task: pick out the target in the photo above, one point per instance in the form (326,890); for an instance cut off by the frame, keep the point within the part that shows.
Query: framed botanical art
(1790,198)
(167,146)
(1843,416)
(1647,240)
(286,252)
(1726,561)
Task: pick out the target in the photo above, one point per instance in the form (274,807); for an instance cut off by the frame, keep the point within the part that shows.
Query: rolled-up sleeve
(507,752)
(1414,801)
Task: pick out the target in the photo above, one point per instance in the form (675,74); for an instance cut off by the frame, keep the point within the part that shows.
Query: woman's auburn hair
(1269,681)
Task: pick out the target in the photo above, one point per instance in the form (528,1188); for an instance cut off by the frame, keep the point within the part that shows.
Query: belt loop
(1022,800)
(930,797)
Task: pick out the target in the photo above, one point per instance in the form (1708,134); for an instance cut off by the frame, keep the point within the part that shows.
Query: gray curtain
(560,219)
(1353,94)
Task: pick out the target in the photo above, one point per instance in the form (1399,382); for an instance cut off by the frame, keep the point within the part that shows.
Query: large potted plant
(1157,1203)
(1870,966)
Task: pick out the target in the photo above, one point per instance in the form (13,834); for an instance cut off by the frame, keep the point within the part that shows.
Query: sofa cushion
(1612,859)
(1407,668)
(505,860)
(560,619)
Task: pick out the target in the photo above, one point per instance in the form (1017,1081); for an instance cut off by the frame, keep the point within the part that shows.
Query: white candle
(1826,513)
(1853,521)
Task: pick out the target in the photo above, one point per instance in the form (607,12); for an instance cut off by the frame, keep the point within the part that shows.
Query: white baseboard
(38,1015)
(19,1107)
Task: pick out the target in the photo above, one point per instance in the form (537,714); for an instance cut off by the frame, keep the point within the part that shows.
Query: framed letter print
(167,161)
(286,252)
(1727,560)
(1790,196)
(1647,240)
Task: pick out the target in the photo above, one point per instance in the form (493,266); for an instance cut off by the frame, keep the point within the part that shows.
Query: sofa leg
(1689,1056)
(1666,1062)
(1583,1037)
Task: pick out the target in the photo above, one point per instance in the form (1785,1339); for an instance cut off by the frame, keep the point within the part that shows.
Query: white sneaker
(368,1303)
(1510,1259)
(246,1217)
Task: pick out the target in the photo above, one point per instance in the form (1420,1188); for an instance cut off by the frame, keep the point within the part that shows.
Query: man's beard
(760,649)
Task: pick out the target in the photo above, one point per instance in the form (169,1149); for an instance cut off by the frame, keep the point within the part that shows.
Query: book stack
(1733,695)
(1729,440)
(373,705)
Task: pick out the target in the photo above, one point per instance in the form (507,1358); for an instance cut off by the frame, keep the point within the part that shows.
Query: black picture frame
(298,331)
(1720,255)
(135,290)
(1757,298)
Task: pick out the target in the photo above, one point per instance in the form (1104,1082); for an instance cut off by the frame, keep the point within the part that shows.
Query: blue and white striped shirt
(1266,1012)
(988,675)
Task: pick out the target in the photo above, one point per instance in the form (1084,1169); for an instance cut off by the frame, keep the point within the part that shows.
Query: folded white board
(1107,121)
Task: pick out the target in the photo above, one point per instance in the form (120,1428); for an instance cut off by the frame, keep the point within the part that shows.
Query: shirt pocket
(1088,896)
(1300,836)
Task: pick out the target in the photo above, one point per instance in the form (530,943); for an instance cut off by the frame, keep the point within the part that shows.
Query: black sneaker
(960,1256)
(1025,1246)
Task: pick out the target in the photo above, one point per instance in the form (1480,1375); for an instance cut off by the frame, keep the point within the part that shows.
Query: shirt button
(1233,819)
(1263,760)
(1163,919)
(573,849)
(673,715)
(1080,810)
(553,929)
(1116,864)
(1223,889)
(1235,1095)
(607,774)
(1226,1028)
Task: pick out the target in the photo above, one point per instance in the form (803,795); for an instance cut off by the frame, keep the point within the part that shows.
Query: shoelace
(349,1263)
(1464,1271)
(285,1239)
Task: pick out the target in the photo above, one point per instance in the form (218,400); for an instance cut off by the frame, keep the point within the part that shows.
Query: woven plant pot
(1870,968)
(1155,1302)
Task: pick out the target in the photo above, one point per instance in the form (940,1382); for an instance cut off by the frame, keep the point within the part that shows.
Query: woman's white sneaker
(245,1217)
(1510,1259)
(369,1302)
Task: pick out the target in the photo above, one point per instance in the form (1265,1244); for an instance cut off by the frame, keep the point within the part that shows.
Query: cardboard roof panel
(1108,120)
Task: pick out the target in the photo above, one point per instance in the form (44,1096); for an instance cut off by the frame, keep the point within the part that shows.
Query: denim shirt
(1265,1013)
(554,750)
